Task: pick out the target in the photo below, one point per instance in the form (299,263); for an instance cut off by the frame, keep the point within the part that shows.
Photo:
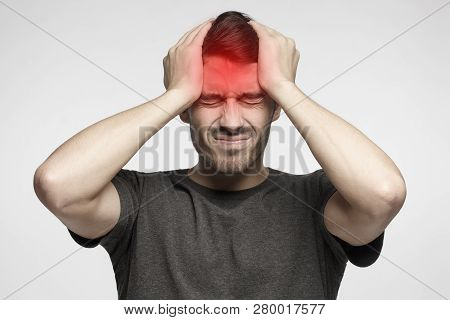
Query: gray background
(398,96)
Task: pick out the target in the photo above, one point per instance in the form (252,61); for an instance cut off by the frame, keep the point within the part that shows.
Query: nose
(231,118)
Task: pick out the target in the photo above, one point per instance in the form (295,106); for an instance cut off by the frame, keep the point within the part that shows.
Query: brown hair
(232,37)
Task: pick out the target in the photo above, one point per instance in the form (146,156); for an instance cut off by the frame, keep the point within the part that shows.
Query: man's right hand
(183,64)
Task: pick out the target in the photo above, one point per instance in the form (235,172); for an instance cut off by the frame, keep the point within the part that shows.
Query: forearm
(85,163)
(364,175)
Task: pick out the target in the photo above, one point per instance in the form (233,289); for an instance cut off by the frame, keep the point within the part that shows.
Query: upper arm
(347,231)
(95,217)
(350,225)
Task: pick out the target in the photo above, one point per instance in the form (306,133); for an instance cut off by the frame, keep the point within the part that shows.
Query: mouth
(232,141)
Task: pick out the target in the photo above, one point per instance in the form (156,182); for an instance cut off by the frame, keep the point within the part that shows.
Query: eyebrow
(249,95)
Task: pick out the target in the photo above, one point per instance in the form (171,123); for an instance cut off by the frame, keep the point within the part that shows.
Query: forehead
(222,76)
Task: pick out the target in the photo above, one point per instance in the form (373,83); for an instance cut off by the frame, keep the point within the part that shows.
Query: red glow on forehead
(227,78)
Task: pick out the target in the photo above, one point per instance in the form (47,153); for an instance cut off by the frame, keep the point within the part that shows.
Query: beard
(217,160)
(227,164)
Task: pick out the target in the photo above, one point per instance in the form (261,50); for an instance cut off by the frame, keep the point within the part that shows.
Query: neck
(229,182)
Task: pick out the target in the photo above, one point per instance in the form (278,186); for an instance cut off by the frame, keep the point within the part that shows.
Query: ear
(184,116)
(276,113)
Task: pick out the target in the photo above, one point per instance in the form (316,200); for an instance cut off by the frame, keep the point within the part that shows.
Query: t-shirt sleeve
(128,184)
(360,256)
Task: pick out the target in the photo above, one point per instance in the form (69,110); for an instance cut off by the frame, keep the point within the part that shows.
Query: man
(228,228)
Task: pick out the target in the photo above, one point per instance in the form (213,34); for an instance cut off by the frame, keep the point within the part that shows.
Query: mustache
(227,132)
(217,131)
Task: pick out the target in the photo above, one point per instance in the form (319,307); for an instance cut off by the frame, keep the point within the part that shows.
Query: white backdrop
(398,95)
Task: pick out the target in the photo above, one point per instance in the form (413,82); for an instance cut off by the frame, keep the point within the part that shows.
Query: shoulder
(143,184)
(312,181)
(141,176)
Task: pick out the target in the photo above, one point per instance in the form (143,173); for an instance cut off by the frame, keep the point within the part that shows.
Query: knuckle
(183,45)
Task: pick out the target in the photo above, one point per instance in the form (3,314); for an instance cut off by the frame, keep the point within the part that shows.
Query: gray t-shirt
(177,239)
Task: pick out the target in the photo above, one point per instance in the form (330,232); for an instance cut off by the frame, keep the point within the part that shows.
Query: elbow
(393,196)
(47,190)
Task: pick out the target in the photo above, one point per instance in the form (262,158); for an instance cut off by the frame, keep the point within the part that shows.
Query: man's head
(230,122)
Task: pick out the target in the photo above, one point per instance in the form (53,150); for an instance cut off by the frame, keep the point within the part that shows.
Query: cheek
(257,118)
(202,118)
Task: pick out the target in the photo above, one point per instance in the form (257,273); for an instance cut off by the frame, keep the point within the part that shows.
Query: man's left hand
(277,60)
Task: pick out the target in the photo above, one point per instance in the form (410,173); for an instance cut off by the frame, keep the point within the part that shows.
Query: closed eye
(213,102)
(208,103)
(253,101)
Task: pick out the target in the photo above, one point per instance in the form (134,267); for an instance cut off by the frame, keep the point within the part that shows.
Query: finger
(260,29)
(258,25)
(185,36)
(267,30)
(200,36)
(189,32)
(297,57)
(194,33)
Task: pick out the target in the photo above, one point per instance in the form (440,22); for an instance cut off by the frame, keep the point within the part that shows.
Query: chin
(230,165)
(230,168)
(219,160)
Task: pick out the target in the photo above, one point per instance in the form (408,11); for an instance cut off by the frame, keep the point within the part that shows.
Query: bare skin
(74,182)
(239,113)
(370,187)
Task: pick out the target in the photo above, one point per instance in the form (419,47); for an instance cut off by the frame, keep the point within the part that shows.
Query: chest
(247,248)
